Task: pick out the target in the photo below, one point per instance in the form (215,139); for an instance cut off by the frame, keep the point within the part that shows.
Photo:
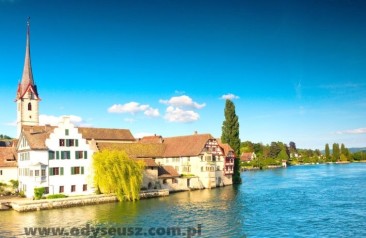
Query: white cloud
(54,120)
(12,123)
(229,96)
(151,112)
(352,131)
(133,108)
(182,101)
(175,114)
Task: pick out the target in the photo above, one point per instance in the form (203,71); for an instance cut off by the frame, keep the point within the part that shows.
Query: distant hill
(352,150)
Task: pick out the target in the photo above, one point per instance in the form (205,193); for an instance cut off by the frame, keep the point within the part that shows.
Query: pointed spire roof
(27,77)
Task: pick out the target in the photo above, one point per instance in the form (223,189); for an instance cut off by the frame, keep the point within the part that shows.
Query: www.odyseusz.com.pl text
(90,231)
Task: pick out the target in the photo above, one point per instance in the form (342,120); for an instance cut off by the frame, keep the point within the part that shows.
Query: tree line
(275,153)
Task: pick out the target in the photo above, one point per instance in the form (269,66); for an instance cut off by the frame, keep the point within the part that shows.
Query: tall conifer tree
(230,135)
(327,152)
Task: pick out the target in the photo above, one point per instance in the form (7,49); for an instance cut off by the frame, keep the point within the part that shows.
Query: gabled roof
(246,156)
(8,157)
(190,145)
(226,147)
(149,162)
(106,134)
(135,150)
(151,139)
(167,172)
(36,136)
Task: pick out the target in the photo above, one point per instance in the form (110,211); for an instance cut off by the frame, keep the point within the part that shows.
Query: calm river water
(302,201)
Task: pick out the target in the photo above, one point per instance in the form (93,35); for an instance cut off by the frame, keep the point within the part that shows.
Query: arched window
(29,107)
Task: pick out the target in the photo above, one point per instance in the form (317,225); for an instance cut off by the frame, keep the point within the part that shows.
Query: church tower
(27,98)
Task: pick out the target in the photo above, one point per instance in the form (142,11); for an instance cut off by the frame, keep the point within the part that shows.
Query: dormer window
(29,107)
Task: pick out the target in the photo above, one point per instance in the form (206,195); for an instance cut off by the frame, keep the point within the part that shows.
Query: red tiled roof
(106,134)
(151,139)
(226,147)
(149,162)
(8,157)
(246,156)
(167,172)
(135,150)
(37,135)
(191,145)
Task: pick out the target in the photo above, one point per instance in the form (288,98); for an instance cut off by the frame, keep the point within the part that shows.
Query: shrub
(38,193)
(55,196)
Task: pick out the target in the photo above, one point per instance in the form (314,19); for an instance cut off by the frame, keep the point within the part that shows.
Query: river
(299,201)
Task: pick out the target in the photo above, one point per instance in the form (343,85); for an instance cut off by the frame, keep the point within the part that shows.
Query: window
(69,142)
(62,142)
(43,172)
(164,181)
(85,187)
(29,107)
(1,172)
(77,170)
(56,171)
(66,132)
(65,154)
(61,189)
(174,180)
(81,154)
(73,188)
(36,173)
(51,155)
(31,173)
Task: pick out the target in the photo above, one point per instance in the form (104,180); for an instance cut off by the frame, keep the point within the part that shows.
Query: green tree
(345,152)
(336,152)
(230,135)
(327,153)
(115,172)
(274,150)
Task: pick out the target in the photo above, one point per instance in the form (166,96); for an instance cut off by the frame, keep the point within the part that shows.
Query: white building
(8,164)
(60,158)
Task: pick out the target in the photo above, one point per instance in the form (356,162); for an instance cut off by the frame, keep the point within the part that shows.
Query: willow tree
(230,135)
(115,172)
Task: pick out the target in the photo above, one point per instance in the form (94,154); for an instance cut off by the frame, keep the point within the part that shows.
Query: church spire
(27,77)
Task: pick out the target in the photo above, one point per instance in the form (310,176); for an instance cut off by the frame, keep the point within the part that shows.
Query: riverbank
(25,205)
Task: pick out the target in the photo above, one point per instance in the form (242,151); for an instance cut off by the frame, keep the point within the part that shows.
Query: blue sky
(295,70)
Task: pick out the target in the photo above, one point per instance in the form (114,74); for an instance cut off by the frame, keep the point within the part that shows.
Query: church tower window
(29,107)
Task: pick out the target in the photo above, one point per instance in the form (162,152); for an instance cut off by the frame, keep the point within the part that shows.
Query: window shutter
(72,170)
(50,171)
(76,155)
(76,142)
(61,170)
(57,154)
(85,154)
(82,170)
(68,154)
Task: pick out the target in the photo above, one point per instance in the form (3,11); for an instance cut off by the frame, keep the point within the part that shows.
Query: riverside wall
(45,204)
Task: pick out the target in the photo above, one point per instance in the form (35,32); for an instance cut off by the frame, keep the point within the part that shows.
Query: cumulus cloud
(352,131)
(133,108)
(229,96)
(54,120)
(175,114)
(182,101)
(151,112)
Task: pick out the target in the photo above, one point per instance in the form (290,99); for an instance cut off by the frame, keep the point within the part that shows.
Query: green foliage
(230,127)
(327,153)
(336,153)
(38,193)
(5,137)
(14,183)
(115,172)
(230,135)
(55,196)
(359,156)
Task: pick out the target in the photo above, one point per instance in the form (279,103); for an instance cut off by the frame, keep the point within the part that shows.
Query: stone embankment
(44,204)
